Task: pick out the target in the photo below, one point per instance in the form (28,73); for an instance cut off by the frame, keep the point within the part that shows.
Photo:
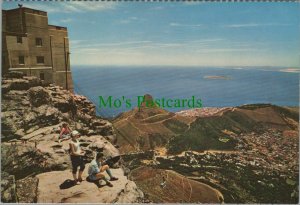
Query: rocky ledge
(32,158)
(61,190)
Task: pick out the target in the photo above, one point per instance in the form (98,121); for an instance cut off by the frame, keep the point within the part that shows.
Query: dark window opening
(40,59)
(19,39)
(42,76)
(38,41)
(21,60)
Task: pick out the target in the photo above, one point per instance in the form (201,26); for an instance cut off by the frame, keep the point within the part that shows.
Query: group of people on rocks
(96,167)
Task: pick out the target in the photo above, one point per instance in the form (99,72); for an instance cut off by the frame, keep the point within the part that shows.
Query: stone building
(35,48)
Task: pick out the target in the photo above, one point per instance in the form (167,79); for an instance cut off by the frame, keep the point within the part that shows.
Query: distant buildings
(35,48)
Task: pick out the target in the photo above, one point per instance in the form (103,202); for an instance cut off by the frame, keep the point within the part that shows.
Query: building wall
(61,56)
(15,50)
(14,21)
(31,24)
(5,59)
(37,27)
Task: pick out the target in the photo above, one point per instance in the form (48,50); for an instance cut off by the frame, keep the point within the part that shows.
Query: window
(21,60)
(40,59)
(42,76)
(38,41)
(19,39)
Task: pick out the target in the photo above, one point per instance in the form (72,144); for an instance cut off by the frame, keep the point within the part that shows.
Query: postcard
(150,102)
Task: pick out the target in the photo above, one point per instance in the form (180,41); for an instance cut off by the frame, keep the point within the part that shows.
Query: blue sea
(239,85)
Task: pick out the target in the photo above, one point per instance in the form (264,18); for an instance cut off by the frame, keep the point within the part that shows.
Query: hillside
(147,128)
(249,153)
(166,186)
(199,129)
(220,132)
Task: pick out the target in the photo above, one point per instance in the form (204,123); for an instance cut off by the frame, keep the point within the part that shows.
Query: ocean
(216,87)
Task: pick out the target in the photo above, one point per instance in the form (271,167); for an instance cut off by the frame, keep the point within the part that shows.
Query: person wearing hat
(76,155)
(96,169)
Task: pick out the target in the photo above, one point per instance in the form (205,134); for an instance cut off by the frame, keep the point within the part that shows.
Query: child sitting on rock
(96,169)
(65,133)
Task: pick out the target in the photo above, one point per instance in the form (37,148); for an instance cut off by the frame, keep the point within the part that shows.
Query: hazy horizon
(177,33)
(191,66)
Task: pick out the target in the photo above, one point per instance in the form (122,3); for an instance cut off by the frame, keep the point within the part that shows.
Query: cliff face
(31,118)
(27,106)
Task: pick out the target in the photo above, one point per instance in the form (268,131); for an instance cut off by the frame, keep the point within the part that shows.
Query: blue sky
(182,34)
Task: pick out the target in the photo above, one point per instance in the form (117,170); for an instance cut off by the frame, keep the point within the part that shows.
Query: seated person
(65,132)
(96,169)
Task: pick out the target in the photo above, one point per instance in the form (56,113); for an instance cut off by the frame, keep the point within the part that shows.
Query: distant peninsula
(291,70)
(217,77)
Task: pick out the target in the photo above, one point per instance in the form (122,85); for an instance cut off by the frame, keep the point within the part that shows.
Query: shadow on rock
(67,184)
(97,182)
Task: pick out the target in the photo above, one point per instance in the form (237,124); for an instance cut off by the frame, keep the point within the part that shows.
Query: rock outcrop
(8,188)
(27,106)
(57,191)
(32,157)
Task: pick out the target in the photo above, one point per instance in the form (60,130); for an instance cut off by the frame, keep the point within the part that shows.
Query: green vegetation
(254,106)
(222,139)
(205,133)
(287,112)
(175,125)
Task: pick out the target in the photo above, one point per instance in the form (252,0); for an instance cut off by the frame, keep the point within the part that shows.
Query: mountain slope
(198,129)
(220,132)
(166,186)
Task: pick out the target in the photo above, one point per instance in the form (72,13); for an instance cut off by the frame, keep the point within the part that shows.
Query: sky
(177,33)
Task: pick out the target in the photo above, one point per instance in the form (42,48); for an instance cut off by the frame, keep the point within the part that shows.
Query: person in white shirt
(76,155)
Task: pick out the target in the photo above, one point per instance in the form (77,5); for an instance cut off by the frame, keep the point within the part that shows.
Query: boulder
(38,96)
(111,138)
(47,115)
(104,129)
(33,81)
(98,143)
(42,131)
(29,117)
(78,126)
(8,188)
(98,122)
(10,123)
(19,84)
(22,160)
(14,74)
(5,88)
(31,129)
(85,118)
(27,190)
